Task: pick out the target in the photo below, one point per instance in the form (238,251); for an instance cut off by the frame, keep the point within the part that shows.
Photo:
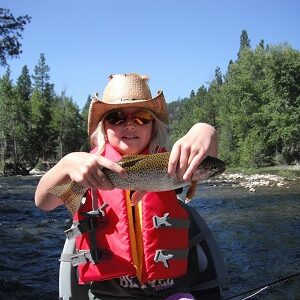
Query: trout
(146,173)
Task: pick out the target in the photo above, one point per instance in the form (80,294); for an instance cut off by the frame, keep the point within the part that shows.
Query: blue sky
(178,44)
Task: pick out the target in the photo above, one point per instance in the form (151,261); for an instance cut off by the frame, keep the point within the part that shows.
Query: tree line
(36,123)
(254,106)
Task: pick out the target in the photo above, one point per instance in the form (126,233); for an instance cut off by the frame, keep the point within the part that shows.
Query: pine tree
(10,34)
(41,101)
(41,75)
(244,42)
(24,84)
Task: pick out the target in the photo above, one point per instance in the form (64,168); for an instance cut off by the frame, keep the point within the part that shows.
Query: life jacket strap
(85,256)
(95,219)
(165,221)
(164,255)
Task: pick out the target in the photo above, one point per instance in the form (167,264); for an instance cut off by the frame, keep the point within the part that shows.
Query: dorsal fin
(191,192)
(130,160)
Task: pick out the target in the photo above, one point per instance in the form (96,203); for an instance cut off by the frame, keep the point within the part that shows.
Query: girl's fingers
(114,167)
(183,162)
(173,160)
(194,162)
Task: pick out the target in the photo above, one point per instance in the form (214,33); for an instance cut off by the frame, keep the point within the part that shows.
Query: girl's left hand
(189,151)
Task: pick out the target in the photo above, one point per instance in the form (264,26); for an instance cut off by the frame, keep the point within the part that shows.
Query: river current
(258,234)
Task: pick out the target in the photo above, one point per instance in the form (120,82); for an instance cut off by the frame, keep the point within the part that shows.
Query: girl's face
(129,130)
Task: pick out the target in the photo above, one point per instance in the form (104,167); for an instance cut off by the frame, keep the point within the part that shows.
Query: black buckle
(100,254)
(95,218)
(96,213)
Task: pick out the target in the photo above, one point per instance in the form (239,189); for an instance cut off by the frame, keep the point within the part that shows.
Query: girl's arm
(83,168)
(188,152)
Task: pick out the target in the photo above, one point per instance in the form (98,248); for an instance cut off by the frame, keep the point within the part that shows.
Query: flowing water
(258,234)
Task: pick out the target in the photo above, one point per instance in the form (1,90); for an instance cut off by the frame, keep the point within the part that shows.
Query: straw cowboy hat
(126,91)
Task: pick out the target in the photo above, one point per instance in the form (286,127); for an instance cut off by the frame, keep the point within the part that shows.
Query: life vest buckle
(166,221)
(100,254)
(161,221)
(161,257)
(96,213)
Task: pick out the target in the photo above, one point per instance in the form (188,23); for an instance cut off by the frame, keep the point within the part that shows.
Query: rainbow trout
(145,172)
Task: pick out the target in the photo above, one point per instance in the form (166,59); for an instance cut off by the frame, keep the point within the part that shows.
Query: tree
(41,100)
(10,34)
(41,75)
(24,84)
(244,42)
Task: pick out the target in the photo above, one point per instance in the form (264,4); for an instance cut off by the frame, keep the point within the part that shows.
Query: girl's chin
(129,148)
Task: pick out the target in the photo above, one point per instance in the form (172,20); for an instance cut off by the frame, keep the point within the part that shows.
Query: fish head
(209,167)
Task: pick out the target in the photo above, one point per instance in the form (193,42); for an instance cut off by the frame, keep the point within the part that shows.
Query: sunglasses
(141,117)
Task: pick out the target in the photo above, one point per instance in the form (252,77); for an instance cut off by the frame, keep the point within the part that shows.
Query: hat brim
(99,108)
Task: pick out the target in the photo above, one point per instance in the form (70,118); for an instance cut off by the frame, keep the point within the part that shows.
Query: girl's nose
(129,124)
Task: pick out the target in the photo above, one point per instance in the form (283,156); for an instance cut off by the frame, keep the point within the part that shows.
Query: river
(258,234)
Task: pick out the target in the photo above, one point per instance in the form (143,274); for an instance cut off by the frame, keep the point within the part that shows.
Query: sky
(177,44)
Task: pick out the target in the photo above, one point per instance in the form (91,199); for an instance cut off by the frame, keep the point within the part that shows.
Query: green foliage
(10,34)
(35,124)
(255,107)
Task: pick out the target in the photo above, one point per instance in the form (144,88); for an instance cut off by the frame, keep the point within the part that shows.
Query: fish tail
(71,194)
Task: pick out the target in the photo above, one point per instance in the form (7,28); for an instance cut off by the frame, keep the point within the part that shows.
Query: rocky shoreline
(251,182)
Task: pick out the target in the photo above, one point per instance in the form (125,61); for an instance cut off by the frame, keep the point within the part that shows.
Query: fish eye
(215,167)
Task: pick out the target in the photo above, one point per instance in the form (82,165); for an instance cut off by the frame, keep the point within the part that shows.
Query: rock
(36,172)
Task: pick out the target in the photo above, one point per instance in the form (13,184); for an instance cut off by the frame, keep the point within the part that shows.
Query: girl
(124,256)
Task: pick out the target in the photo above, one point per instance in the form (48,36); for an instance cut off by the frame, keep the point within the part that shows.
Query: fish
(147,173)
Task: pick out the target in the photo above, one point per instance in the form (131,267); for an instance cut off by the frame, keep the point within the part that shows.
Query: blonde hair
(159,139)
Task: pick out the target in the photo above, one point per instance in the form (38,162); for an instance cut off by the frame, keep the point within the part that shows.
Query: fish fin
(130,160)
(71,194)
(191,192)
(58,190)
(137,196)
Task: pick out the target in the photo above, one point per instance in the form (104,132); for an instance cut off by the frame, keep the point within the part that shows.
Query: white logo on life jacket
(156,285)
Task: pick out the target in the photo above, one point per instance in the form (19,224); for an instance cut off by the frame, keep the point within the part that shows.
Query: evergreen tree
(24,84)
(218,76)
(84,116)
(10,34)
(6,94)
(41,101)
(41,75)
(67,126)
(192,94)
(244,42)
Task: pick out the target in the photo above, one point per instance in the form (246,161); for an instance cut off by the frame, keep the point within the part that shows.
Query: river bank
(252,179)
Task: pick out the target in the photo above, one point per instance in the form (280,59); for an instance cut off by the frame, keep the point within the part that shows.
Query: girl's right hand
(81,167)
(86,169)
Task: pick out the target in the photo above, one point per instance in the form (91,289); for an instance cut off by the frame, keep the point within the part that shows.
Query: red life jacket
(149,240)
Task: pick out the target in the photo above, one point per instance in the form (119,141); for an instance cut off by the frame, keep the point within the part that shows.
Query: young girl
(123,255)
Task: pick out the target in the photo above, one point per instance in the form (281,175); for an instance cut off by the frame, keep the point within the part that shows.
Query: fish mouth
(220,170)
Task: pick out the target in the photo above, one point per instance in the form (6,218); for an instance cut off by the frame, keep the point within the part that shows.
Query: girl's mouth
(130,137)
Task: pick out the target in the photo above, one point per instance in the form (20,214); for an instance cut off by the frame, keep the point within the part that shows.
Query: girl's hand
(83,168)
(189,151)
(86,169)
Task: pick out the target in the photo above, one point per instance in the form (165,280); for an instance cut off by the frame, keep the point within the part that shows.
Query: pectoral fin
(191,192)
(137,196)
